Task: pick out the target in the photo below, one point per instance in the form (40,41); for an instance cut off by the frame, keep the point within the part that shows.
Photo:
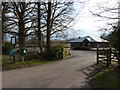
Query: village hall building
(88,42)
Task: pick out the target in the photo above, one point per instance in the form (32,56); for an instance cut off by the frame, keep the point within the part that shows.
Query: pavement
(67,73)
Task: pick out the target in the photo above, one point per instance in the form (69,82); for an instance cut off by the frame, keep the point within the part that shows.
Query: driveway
(66,73)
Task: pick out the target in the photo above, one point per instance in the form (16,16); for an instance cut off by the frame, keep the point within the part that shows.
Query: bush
(32,55)
(81,48)
(6,59)
(58,51)
(5,49)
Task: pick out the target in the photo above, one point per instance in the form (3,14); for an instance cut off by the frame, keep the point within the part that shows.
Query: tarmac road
(66,73)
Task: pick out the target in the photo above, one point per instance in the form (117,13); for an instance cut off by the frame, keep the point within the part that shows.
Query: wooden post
(97,56)
(23,58)
(110,52)
(108,57)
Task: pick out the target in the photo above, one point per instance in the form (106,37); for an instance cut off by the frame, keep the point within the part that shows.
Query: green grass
(108,78)
(8,64)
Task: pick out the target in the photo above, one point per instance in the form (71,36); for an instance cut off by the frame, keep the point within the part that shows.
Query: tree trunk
(3,19)
(48,43)
(21,33)
(39,29)
(2,36)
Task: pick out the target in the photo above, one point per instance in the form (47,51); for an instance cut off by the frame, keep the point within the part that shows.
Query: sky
(88,24)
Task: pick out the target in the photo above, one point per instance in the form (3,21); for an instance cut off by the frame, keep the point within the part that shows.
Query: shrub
(81,48)
(5,49)
(32,55)
(58,51)
(6,59)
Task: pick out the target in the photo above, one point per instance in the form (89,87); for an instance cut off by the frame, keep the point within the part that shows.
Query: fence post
(97,56)
(110,52)
(108,57)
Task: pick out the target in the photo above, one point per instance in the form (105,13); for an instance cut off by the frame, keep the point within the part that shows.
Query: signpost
(12,51)
(23,53)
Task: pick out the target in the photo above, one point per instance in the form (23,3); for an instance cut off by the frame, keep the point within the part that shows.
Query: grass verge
(108,78)
(24,64)
(7,63)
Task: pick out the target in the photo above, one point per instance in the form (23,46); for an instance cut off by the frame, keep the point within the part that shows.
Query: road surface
(66,73)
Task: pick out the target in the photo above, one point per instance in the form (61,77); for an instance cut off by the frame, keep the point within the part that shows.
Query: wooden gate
(106,55)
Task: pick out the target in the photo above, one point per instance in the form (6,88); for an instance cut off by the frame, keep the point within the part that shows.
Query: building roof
(90,39)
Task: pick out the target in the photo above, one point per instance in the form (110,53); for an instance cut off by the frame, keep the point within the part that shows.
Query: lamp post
(13,42)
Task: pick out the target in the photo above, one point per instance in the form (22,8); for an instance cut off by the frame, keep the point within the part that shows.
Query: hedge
(58,51)
(5,49)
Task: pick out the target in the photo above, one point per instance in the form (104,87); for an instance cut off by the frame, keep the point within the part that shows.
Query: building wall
(89,44)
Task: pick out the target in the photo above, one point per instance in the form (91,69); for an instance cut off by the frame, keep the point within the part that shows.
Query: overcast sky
(86,23)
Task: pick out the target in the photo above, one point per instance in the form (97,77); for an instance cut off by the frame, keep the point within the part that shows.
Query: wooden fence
(106,55)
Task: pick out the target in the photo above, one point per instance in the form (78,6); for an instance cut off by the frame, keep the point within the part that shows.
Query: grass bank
(7,62)
(108,78)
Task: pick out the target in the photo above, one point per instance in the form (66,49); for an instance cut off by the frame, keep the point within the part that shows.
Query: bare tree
(106,9)
(111,12)
(39,34)
(48,44)
(4,7)
(40,19)
(59,18)
(19,21)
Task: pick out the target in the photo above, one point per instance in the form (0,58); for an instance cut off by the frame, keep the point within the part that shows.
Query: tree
(5,7)
(48,26)
(106,10)
(59,18)
(111,12)
(115,40)
(19,21)
(41,19)
(54,17)
(39,34)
